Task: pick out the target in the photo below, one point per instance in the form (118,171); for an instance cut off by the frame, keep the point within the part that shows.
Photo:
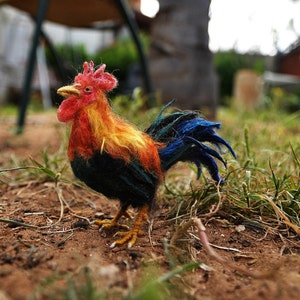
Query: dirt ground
(38,263)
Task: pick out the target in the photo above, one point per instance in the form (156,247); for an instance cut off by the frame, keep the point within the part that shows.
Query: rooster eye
(88,89)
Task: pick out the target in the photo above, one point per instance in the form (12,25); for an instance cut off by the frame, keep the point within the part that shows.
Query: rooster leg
(132,235)
(109,224)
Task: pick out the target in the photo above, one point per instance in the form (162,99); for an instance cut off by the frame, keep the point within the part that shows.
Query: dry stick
(62,242)
(204,240)
(17,223)
(18,168)
(63,201)
(281,214)
(219,204)
(60,198)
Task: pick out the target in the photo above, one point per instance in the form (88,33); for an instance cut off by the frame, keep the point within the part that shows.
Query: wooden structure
(181,61)
(289,62)
(75,13)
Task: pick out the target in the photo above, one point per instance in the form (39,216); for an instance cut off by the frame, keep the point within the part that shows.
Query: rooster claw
(109,224)
(129,237)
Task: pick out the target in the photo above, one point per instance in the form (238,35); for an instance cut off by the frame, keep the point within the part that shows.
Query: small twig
(225,248)
(216,246)
(59,231)
(17,223)
(150,228)
(281,214)
(38,213)
(218,206)
(61,201)
(204,240)
(79,216)
(59,244)
(18,168)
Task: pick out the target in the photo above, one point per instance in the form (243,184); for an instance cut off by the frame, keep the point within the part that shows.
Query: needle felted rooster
(116,159)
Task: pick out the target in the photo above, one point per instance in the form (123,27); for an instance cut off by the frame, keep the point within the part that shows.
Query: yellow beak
(69,90)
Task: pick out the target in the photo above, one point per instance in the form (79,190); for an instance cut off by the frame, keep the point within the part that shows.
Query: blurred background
(206,54)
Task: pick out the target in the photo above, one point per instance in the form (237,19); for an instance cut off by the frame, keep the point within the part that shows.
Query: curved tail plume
(188,137)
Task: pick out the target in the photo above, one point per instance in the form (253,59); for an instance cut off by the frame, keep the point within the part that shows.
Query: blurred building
(289,61)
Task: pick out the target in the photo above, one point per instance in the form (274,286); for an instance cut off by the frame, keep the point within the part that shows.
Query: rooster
(114,158)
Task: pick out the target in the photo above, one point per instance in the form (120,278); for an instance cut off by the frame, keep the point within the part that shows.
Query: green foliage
(70,54)
(118,57)
(8,110)
(131,108)
(259,65)
(281,100)
(153,284)
(50,169)
(267,169)
(228,63)
(72,57)
(79,286)
(156,286)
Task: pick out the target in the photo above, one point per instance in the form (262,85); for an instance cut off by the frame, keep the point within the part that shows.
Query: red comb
(104,80)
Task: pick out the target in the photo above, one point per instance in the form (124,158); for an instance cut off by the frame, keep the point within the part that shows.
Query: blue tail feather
(186,135)
(208,150)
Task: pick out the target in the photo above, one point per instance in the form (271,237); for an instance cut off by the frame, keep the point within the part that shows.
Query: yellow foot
(109,225)
(129,236)
(132,235)
(113,223)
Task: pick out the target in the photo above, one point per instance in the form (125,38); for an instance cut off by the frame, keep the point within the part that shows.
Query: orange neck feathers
(97,128)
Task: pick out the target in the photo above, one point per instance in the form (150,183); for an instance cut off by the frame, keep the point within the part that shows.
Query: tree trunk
(180,60)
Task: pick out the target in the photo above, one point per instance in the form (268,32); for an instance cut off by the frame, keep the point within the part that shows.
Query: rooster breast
(115,178)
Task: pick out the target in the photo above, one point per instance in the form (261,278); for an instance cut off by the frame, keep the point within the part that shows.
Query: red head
(88,87)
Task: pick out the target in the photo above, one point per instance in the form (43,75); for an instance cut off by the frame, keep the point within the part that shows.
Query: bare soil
(41,263)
